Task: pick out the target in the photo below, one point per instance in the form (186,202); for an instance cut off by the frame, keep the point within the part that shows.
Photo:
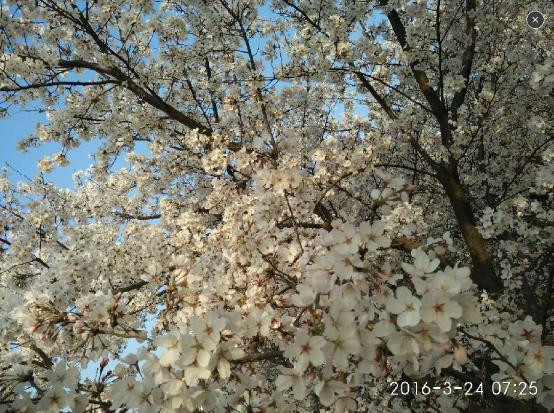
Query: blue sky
(20,123)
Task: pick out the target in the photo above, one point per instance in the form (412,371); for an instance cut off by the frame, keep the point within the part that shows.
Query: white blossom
(437,307)
(275,205)
(292,379)
(306,350)
(406,306)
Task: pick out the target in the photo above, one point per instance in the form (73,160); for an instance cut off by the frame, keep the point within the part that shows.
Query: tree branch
(467,58)
(147,97)
(58,83)
(131,287)
(268,355)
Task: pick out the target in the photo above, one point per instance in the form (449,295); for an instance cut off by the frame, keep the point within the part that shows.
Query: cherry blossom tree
(321,199)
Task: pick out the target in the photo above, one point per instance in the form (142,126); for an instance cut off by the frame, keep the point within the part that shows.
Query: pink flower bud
(78,326)
(460,353)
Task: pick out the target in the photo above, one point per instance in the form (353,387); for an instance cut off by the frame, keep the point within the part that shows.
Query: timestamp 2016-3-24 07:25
(506,388)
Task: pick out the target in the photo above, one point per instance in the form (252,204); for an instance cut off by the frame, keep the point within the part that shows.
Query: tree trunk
(483,273)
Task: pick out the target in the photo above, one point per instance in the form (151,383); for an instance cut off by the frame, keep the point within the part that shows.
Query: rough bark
(483,273)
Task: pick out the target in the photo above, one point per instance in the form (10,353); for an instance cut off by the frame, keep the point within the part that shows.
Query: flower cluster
(289,205)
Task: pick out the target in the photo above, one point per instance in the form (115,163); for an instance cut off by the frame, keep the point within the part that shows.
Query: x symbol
(535,19)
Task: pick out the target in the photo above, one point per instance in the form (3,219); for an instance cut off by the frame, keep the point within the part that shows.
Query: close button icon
(535,19)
